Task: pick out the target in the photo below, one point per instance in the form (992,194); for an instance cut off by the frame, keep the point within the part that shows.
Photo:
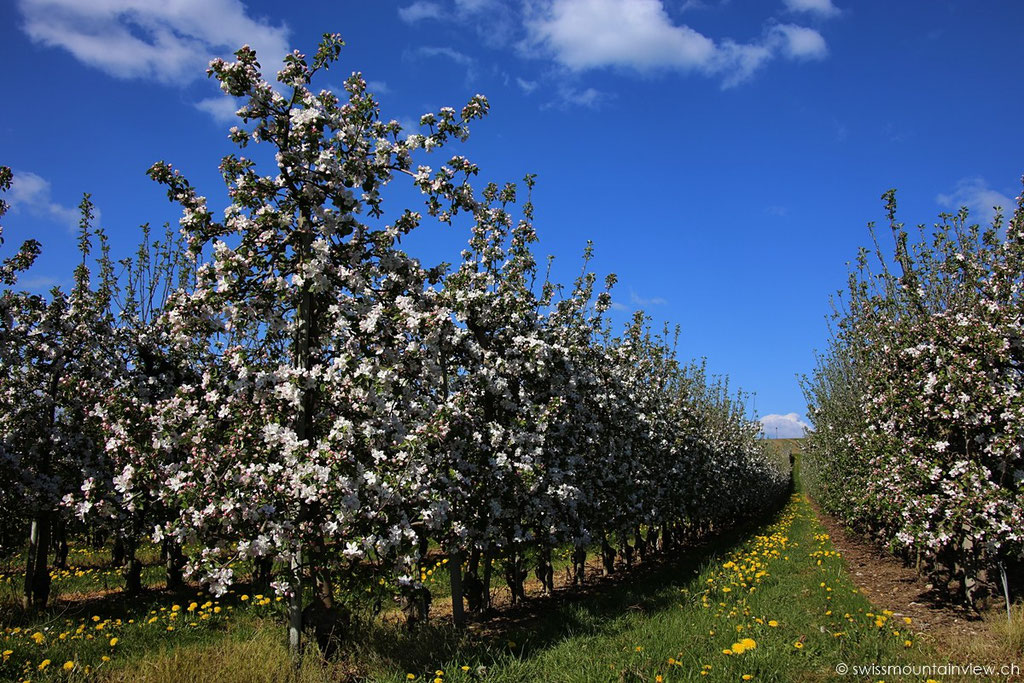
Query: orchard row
(919,403)
(286,387)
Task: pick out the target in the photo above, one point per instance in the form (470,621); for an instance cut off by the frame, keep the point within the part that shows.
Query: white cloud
(378,87)
(640,35)
(446,52)
(527,86)
(476,6)
(420,10)
(800,42)
(41,283)
(455,56)
(823,8)
(31,193)
(788,426)
(978,197)
(569,96)
(738,63)
(641,301)
(221,107)
(584,34)
(170,41)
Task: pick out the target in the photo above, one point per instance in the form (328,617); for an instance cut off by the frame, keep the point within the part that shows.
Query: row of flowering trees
(918,405)
(290,390)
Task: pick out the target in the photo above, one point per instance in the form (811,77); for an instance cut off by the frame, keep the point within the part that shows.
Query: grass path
(777,606)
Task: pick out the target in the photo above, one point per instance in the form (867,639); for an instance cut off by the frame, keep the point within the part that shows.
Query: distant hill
(785,446)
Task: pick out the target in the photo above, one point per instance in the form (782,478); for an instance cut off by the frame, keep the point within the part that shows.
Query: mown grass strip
(778,606)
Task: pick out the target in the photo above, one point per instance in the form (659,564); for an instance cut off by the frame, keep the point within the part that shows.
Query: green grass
(88,572)
(783,587)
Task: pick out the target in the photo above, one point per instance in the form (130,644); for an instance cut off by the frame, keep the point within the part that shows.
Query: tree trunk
(132,570)
(60,544)
(545,570)
(37,573)
(117,553)
(579,565)
(455,574)
(175,564)
(263,568)
(488,566)
(607,557)
(295,606)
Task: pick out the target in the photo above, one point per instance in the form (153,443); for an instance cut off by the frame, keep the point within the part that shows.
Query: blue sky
(724,156)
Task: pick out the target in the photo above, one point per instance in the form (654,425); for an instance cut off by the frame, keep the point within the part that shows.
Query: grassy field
(772,603)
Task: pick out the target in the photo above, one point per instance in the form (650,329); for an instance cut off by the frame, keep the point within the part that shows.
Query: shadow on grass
(597,608)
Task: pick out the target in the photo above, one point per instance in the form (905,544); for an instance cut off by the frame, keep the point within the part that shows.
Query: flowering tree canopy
(918,405)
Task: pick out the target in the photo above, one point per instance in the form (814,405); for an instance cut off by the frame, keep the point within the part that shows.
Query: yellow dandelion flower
(68,665)
(773,623)
(244,598)
(43,664)
(113,642)
(746,677)
(798,645)
(411,677)
(105,658)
